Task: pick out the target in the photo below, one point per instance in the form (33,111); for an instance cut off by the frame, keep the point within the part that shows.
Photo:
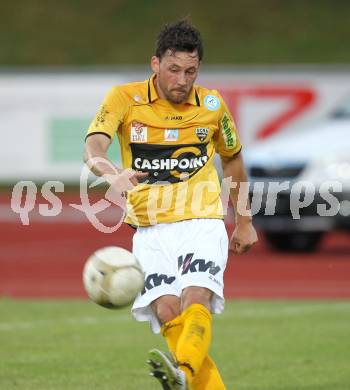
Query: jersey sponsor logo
(171,134)
(184,163)
(211,102)
(155,280)
(202,133)
(138,132)
(173,118)
(188,264)
(227,131)
(168,163)
(101,116)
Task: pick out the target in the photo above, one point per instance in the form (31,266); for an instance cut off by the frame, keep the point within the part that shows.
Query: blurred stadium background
(283,68)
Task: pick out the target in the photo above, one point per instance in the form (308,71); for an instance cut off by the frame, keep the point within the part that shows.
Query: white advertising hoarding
(44,116)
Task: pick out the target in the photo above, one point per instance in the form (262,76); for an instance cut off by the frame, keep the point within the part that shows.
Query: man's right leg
(163,367)
(166,308)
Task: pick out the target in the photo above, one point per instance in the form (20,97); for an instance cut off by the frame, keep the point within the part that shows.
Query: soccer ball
(112,277)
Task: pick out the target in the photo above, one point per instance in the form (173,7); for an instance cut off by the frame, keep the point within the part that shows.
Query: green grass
(76,345)
(86,32)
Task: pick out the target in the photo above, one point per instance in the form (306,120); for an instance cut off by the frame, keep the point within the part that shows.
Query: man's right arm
(95,157)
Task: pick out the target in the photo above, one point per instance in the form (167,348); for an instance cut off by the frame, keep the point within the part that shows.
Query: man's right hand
(119,180)
(120,183)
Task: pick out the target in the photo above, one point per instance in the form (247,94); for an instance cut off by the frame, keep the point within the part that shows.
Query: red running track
(46,260)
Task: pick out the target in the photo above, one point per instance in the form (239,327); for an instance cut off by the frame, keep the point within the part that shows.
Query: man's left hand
(243,238)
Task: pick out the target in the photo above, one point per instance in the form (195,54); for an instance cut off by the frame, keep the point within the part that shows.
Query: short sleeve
(227,142)
(110,115)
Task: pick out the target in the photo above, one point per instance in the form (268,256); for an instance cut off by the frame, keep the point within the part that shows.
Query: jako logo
(155,280)
(197,265)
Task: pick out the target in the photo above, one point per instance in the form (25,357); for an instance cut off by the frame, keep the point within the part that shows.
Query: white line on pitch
(22,325)
(288,311)
(264,312)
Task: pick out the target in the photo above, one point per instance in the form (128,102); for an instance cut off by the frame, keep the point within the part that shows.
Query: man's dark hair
(179,36)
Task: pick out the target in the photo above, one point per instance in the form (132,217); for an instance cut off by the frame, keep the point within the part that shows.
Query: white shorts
(178,255)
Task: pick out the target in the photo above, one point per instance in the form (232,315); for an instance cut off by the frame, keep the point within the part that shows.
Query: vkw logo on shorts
(211,102)
(198,265)
(155,280)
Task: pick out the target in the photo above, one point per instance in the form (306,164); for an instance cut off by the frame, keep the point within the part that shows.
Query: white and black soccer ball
(113,277)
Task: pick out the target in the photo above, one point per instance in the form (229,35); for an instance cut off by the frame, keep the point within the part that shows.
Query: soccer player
(169,130)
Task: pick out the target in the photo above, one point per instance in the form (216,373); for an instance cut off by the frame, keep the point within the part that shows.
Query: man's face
(176,72)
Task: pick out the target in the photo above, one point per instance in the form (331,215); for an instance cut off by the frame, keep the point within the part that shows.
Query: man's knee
(194,294)
(166,308)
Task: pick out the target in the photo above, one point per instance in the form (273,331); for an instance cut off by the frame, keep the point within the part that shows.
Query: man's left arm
(244,236)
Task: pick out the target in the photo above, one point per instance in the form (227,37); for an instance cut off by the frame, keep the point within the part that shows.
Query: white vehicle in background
(308,159)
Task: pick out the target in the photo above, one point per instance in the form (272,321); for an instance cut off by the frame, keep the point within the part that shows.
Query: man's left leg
(181,334)
(188,335)
(194,340)
(208,377)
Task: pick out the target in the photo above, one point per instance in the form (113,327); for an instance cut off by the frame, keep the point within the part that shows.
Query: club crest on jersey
(138,132)
(211,102)
(171,134)
(202,133)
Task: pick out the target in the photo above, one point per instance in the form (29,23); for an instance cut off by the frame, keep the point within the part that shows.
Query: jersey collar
(193,97)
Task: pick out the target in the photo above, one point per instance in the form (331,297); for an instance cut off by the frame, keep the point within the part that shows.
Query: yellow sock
(193,344)
(171,331)
(208,377)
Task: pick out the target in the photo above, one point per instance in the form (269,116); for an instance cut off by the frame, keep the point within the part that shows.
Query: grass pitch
(55,345)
